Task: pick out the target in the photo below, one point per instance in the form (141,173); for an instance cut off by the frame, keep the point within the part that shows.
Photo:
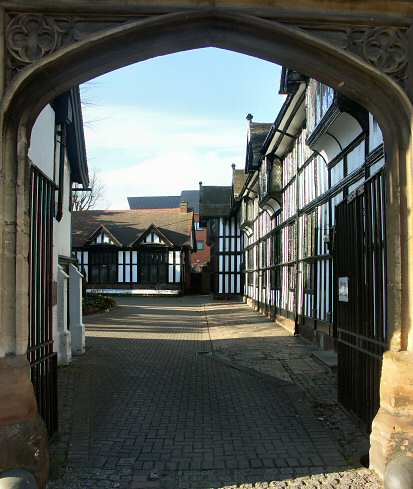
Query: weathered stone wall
(85,39)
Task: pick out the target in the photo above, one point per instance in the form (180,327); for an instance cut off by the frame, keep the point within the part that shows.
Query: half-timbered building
(311,214)
(136,251)
(320,151)
(200,257)
(219,208)
(57,160)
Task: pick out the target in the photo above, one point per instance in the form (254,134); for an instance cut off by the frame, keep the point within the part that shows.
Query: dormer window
(103,238)
(153,238)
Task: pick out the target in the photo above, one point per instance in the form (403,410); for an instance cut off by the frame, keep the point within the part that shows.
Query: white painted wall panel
(42,147)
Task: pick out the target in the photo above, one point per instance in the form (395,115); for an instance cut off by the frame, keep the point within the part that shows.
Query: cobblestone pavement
(186,392)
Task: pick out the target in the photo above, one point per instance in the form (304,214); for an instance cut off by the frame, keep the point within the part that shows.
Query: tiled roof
(192,197)
(215,201)
(128,225)
(158,202)
(166,201)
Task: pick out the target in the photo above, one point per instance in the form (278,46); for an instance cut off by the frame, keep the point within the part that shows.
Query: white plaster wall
(375,134)
(62,246)
(62,230)
(42,154)
(41,151)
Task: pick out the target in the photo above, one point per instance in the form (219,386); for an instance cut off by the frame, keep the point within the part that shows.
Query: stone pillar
(77,328)
(392,429)
(63,336)
(23,435)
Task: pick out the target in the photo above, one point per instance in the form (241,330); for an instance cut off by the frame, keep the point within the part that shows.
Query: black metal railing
(42,358)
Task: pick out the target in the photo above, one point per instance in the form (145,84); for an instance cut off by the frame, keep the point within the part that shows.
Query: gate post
(23,435)
(392,428)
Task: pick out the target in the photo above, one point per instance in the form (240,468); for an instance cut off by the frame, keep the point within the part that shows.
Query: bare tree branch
(85,200)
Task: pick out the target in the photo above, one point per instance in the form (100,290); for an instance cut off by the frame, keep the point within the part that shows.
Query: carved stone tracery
(30,37)
(383,47)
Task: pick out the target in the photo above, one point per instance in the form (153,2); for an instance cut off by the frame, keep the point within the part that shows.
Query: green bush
(96,303)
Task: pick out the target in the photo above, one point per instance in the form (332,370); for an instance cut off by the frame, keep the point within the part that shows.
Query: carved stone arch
(57,66)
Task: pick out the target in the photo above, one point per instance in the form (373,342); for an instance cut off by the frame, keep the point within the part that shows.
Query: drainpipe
(17,479)
(296,245)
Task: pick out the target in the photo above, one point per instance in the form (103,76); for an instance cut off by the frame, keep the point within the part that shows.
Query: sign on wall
(343,289)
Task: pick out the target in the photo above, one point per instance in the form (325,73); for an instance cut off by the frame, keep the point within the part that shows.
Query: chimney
(183,206)
(200,184)
(233,166)
(249,118)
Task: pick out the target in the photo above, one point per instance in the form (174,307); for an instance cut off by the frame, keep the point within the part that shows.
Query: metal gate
(42,358)
(360,297)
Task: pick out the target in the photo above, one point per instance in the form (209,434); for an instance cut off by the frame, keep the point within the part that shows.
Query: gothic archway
(38,71)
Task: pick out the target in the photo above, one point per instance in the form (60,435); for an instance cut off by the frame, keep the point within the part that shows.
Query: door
(103,265)
(154,266)
(360,297)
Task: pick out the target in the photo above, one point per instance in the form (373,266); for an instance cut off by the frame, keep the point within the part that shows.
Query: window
(200,245)
(174,267)
(128,266)
(292,235)
(291,277)
(335,201)
(375,134)
(199,225)
(83,260)
(356,158)
(276,278)
(309,235)
(265,166)
(250,259)
(319,98)
(102,267)
(375,167)
(103,238)
(355,185)
(153,238)
(264,254)
(308,277)
(336,173)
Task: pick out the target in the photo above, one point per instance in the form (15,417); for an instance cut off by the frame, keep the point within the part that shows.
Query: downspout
(296,244)
(62,153)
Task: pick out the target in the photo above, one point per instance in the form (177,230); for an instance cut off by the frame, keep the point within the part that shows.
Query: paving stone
(258,412)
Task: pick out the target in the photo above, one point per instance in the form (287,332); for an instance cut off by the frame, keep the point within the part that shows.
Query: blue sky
(163,125)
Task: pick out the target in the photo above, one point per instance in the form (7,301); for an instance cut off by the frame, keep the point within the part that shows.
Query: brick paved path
(158,402)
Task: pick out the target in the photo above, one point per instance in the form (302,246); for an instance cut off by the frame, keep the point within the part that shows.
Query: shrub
(93,303)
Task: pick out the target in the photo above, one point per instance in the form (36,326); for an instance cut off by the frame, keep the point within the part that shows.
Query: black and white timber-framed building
(311,212)
(218,208)
(136,251)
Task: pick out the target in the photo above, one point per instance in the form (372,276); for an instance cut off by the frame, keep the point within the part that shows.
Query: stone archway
(78,50)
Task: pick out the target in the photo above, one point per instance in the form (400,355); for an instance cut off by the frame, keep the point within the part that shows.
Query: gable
(152,237)
(127,228)
(102,236)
